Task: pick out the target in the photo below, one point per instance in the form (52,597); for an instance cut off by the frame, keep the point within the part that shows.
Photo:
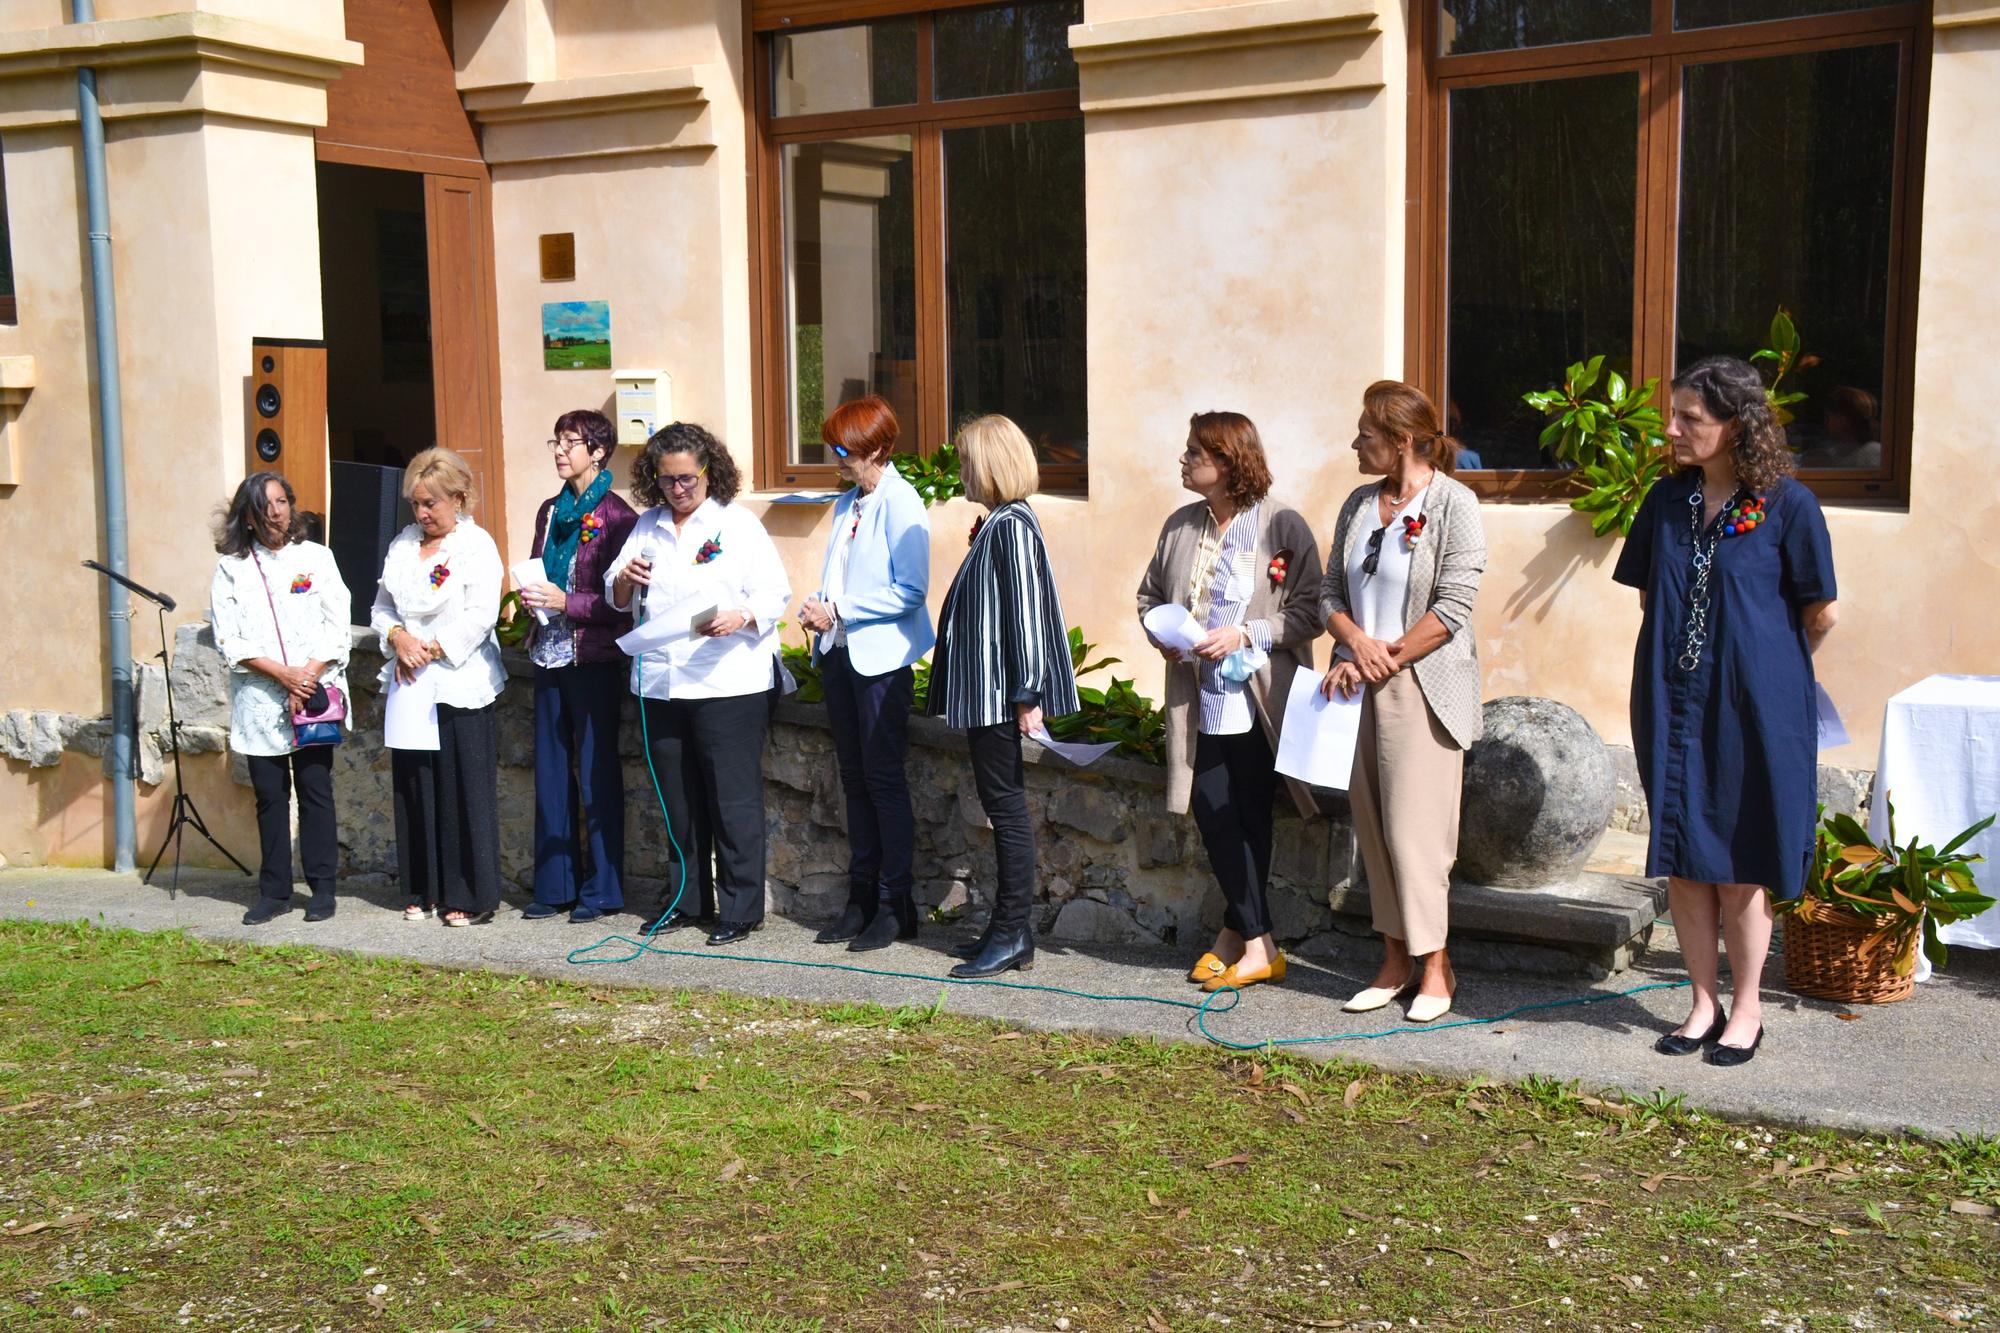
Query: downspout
(111,459)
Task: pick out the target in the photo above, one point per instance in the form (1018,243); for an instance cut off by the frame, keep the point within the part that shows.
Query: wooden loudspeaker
(288,415)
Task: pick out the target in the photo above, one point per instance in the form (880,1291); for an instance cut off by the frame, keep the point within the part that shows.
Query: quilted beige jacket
(1289,610)
(1444,578)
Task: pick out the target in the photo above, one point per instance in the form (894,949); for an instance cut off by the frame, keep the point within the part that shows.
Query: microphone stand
(185,814)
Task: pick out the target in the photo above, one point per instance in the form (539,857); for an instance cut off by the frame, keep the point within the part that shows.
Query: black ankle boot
(854,918)
(894,920)
(1009,947)
(973,948)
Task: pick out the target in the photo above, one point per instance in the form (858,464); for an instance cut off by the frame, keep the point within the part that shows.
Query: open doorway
(375,298)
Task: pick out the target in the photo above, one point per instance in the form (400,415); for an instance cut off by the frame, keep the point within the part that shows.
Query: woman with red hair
(1401,576)
(869,626)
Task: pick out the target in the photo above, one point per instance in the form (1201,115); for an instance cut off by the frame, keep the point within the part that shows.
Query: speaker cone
(268,444)
(268,401)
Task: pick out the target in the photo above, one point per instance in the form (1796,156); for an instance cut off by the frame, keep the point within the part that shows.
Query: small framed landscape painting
(576,335)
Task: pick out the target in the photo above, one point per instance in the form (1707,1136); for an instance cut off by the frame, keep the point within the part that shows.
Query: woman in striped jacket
(1002,665)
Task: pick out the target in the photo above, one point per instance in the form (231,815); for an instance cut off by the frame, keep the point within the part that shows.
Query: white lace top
(311,610)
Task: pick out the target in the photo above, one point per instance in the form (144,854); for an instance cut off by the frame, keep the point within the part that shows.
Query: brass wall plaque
(559,256)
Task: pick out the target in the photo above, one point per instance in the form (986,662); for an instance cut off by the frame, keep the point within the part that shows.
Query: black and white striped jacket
(1002,639)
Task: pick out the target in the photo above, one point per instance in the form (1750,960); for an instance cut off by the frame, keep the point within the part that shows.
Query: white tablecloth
(1940,764)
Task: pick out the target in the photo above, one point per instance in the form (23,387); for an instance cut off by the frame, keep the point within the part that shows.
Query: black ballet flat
(727,933)
(1675,1044)
(1729,1056)
(854,919)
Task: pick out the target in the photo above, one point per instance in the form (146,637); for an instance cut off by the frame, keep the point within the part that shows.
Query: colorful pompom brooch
(1744,516)
(1413,529)
(1280,566)
(709,550)
(302,583)
(592,526)
(439,573)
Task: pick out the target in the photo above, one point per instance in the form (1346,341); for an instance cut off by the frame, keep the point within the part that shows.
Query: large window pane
(844,69)
(1787,177)
(1007,49)
(1507,25)
(1716,13)
(1543,191)
(1014,279)
(851,284)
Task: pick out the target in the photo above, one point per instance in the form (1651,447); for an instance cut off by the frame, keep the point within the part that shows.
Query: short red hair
(866,427)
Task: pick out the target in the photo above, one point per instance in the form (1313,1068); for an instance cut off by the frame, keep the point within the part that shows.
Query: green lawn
(583,356)
(201,1136)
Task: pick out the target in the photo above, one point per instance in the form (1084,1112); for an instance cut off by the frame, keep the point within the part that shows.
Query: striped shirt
(1002,640)
(1225,704)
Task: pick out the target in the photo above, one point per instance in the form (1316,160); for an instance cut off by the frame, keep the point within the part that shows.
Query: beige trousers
(1405,792)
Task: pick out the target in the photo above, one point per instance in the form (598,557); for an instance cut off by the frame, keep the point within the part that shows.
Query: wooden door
(465,344)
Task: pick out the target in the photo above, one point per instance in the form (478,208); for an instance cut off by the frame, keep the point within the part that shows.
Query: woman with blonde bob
(435,610)
(1401,576)
(1246,567)
(1002,665)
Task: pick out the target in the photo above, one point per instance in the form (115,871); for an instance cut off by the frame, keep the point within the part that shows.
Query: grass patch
(205,1136)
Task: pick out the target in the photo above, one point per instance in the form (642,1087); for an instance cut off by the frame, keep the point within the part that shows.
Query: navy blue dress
(1729,752)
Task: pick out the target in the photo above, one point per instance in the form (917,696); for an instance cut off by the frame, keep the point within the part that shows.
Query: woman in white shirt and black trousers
(280,615)
(704,569)
(435,610)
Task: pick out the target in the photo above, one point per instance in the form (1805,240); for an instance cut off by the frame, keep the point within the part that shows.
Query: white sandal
(417,912)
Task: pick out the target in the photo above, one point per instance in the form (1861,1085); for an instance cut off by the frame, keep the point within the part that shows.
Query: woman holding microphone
(703,572)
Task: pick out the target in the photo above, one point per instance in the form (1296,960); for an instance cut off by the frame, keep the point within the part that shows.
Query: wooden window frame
(925,120)
(1660,58)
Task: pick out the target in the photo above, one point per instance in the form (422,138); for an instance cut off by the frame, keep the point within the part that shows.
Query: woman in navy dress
(1735,574)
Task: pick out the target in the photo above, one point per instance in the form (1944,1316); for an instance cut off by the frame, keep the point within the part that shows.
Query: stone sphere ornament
(1539,791)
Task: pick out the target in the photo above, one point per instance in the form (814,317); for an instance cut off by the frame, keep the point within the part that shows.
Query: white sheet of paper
(670,626)
(531,571)
(1173,626)
(1317,743)
(1081,753)
(410,714)
(1832,731)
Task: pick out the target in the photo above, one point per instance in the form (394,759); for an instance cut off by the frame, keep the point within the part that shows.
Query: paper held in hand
(410,714)
(527,572)
(1832,731)
(1173,626)
(1317,744)
(1081,753)
(669,626)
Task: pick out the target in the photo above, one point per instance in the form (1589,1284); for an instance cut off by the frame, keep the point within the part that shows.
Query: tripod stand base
(186,816)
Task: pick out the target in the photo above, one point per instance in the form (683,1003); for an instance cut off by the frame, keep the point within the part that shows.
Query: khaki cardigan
(1291,611)
(1444,578)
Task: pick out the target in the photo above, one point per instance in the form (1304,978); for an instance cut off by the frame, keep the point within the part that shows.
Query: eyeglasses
(1374,556)
(840,450)
(564,444)
(684,482)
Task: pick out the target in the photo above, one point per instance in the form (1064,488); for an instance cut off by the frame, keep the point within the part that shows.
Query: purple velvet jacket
(597,627)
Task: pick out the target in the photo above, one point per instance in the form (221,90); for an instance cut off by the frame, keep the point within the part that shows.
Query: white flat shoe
(1426,1008)
(1375,997)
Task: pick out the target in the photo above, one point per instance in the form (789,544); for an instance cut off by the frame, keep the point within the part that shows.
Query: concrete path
(1930,1064)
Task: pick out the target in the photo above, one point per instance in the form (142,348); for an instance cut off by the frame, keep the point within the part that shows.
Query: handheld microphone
(646,554)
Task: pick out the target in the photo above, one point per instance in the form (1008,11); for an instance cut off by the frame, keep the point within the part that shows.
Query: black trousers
(447,804)
(1002,783)
(1235,780)
(272,778)
(709,757)
(871,721)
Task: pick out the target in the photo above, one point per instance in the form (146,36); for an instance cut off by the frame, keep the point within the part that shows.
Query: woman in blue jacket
(870,626)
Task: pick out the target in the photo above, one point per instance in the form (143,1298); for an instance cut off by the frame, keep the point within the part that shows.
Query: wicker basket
(1828,955)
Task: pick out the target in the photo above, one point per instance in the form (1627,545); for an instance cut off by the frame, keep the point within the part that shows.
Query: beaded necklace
(1742,514)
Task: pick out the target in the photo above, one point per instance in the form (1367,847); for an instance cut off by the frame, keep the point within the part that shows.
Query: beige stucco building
(1166,206)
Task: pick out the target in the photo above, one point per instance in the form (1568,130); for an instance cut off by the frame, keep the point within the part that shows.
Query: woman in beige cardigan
(1246,567)
(1400,580)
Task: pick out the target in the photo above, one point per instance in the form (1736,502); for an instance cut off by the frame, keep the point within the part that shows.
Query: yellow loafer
(1207,968)
(1238,977)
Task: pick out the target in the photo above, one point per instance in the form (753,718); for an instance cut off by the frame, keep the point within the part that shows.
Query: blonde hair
(446,469)
(996,461)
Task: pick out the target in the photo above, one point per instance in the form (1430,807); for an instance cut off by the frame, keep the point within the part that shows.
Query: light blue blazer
(888,578)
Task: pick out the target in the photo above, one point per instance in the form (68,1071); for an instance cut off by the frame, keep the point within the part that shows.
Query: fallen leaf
(1632,1280)
(1295,1117)
(1182,1215)
(1298,1092)
(733,1170)
(859,1094)
(924,1108)
(1451,1249)
(1240,1159)
(239,1071)
(240,1002)
(430,1225)
(1839,1231)
(480,1121)
(1353,1093)
(923,1256)
(67,1222)
(1249,1271)
(139,985)
(1012,1284)
(1846,1017)
(701,1083)
(1153,1200)
(1970,1208)
(1300,1321)
(602,996)
(710,1259)
(1155,1324)
(1008,1036)
(31,1103)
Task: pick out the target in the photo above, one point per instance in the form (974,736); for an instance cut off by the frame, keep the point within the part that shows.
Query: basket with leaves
(1853,934)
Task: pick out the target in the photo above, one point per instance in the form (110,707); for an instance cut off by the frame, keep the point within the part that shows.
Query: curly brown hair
(1233,440)
(1732,390)
(684,437)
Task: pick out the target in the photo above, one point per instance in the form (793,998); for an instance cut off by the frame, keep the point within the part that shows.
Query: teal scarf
(566,525)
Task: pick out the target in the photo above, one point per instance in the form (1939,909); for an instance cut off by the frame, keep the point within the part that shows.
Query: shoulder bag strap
(268,601)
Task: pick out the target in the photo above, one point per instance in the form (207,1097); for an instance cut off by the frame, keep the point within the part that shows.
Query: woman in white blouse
(703,574)
(280,615)
(435,610)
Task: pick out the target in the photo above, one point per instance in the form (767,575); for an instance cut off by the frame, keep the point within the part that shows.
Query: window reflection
(844,69)
(1006,49)
(850,270)
(1716,13)
(1542,200)
(1787,184)
(1506,25)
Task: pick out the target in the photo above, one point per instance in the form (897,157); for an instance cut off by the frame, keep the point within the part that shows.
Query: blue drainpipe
(111,460)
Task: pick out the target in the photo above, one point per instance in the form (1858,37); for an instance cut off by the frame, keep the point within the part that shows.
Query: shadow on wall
(1569,548)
